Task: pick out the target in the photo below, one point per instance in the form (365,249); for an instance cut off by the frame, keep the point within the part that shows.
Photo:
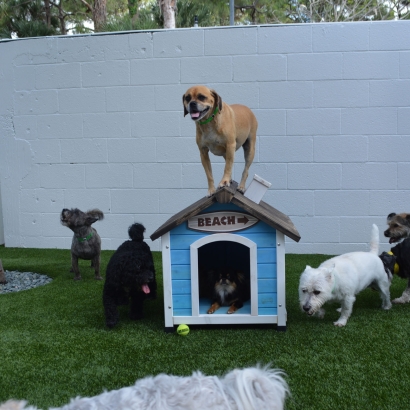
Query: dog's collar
(89,236)
(210,118)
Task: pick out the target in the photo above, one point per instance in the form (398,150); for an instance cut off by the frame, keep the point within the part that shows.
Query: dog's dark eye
(201,97)
(188,98)
(395,226)
(316,292)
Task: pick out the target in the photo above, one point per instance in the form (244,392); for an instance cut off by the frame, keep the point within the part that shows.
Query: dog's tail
(259,388)
(136,232)
(374,240)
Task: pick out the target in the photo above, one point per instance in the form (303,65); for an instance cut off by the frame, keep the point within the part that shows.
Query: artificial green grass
(54,344)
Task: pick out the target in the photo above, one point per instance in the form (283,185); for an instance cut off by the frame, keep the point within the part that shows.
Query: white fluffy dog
(341,278)
(246,389)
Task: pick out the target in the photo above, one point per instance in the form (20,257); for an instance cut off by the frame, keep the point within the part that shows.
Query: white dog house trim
(256,241)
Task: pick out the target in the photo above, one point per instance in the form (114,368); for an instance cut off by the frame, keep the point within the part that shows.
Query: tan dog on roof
(221,129)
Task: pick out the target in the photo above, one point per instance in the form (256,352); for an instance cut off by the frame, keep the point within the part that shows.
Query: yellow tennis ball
(183,330)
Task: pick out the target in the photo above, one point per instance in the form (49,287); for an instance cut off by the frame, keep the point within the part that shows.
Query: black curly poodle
(130,275)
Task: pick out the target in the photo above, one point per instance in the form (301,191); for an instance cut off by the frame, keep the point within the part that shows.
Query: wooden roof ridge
(268,214)
(262,211)
(183,215)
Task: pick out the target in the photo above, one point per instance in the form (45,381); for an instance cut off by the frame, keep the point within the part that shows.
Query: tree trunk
(2,275)
(168,8)
(99,14)
(48,12)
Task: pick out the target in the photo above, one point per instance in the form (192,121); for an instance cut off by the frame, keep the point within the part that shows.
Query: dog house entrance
(222,253)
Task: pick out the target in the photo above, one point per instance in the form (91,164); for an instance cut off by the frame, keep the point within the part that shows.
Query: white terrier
(258,388)
(341,278)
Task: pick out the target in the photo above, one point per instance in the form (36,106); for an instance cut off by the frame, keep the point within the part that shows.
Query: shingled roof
(262,211)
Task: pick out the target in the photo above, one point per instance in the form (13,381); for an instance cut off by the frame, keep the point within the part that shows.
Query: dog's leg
(74,267)
(110,308)
(384,288)
(137,305)
(96,261)
(346,311)
(229,159)
(249,154)
(214,307)
(206,163)
(405,297)
(235,306)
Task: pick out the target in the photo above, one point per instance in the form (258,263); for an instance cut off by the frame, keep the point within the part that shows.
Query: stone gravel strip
(17,281)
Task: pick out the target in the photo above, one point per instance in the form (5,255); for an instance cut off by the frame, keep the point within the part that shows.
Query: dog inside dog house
(223,260)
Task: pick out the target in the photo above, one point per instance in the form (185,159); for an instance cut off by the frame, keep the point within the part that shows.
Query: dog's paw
(224,182)
(231,310)
(77,277)
(401,300)
(211,191)
(99,277)
(340,323)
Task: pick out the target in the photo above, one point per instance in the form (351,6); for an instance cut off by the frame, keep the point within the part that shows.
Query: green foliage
(311,11)
(144,19)
(25,19)
(30,18)
(55,346)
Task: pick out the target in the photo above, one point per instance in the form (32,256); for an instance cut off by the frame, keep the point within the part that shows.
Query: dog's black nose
(193,106)
(306,308)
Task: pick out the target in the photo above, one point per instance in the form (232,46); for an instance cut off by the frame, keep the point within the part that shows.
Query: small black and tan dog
(401,266)
(230,289)
(86,243)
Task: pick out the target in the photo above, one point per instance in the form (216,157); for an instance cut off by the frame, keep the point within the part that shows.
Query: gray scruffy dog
(86,242)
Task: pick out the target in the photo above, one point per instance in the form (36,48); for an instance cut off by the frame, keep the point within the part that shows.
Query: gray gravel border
(18,281)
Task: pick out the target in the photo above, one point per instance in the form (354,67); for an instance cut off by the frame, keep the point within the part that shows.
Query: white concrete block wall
(97,121)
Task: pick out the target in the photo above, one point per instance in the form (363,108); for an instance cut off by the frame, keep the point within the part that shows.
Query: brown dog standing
(221,129)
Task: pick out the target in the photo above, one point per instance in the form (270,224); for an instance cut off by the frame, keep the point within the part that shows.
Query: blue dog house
(225,229)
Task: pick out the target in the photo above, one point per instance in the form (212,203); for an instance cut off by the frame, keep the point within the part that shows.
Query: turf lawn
(54,344)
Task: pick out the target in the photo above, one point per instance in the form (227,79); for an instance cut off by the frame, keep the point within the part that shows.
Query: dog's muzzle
(307,307)
(195,111)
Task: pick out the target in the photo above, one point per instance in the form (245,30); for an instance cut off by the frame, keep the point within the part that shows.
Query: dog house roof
(262,211)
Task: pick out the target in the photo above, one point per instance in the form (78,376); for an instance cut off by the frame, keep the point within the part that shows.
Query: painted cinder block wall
(97,121)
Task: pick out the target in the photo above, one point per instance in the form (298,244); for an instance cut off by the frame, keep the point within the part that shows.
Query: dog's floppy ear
(390,216)
(217,99)
(241,276)
(408,219)
(183,103)
(90,220)
(94,215)
(329,271)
